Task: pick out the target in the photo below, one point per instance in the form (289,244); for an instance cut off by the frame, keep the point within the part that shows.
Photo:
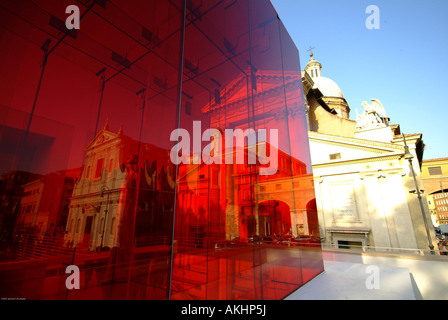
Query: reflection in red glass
(87,176)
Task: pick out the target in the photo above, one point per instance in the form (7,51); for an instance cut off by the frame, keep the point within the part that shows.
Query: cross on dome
(310,50)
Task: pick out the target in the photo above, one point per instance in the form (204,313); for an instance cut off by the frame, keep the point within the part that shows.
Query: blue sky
(403,64)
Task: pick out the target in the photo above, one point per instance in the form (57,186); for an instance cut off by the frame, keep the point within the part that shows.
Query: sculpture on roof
(371,117)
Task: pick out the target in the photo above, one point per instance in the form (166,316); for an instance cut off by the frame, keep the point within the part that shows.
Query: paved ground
(357,281)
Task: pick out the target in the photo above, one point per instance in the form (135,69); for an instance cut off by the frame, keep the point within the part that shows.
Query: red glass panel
(94,123)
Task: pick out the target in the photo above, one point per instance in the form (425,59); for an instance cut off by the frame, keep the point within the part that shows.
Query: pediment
(264,83)
(104,136)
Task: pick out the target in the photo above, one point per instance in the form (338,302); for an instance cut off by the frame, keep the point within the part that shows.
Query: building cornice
(375,146)
(370,158)
(435,161)
(349,230)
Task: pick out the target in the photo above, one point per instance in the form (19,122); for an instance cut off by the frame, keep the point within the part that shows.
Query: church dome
(332,95)
(328,87)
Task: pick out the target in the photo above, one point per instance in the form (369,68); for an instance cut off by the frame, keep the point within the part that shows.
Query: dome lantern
(332,93)
(313,68)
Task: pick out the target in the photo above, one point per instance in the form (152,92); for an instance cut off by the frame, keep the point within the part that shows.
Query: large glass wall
(160,146)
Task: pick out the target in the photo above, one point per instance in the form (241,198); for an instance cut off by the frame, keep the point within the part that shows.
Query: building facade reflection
(99,195)
(93,183)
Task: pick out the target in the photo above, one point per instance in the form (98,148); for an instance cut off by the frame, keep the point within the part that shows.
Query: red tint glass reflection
(86,153)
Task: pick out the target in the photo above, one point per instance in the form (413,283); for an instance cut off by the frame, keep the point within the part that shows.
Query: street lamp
(103,190)
(408,156)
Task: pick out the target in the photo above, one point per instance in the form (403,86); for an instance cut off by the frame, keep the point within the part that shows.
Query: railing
(370,249)
(32,247)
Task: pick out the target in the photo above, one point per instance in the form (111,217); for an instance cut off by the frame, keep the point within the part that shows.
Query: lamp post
(103,190)
(408,156)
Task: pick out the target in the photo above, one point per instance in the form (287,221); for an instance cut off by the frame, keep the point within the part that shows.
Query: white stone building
(364,186)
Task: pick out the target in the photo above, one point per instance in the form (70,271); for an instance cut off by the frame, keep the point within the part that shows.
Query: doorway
(87,231)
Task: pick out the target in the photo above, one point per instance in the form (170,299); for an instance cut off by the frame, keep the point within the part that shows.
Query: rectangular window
(335,156)
(99,168)
(435,171)
(349,244)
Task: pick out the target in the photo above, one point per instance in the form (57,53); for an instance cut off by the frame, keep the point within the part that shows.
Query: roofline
(435,159)
(385,146)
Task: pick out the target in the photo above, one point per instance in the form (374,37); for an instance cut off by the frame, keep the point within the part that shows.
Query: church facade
(364,186)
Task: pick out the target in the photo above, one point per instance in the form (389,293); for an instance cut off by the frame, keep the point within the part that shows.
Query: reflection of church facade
(138,224)
(105,192)
(251,205)
(217,201)
(362,180)
(268,207)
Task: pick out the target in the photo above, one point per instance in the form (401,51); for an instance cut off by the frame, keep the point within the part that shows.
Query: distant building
(362,180)
(44,204)
(440,203)
(435,174)
(435,181)
(11,193)
(432,210)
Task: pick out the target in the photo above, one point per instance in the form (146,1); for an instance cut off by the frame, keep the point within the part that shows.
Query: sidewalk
(401,277)
(351,281)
